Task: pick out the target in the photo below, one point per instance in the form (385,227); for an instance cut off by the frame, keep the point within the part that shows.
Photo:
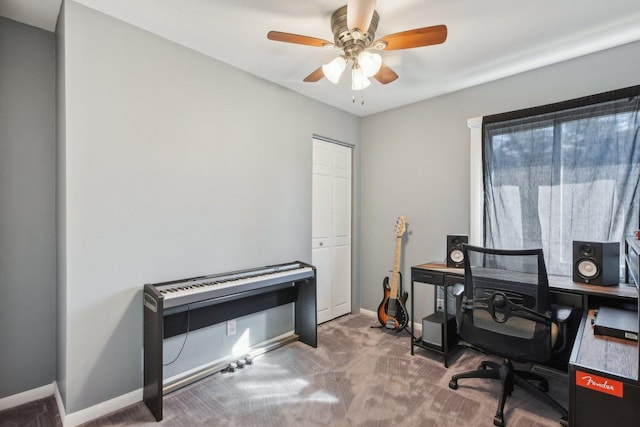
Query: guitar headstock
(401,226)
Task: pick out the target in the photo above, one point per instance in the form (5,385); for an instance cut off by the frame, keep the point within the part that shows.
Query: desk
(565,291)
(585,405)
(557,284)
(603,379)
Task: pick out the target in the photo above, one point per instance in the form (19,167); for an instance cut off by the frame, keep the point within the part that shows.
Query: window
(563,172)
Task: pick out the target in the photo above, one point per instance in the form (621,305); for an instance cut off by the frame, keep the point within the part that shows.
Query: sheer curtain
(563,172)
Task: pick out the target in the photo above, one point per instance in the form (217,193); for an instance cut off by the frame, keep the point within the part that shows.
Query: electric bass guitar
(392,313)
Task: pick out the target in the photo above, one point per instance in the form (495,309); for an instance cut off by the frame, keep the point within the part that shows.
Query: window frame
(476,149)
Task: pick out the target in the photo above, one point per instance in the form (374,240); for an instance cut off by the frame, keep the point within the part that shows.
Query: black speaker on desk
(455,256)
(596,263)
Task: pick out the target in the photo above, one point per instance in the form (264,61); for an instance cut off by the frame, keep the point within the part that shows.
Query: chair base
(510,377)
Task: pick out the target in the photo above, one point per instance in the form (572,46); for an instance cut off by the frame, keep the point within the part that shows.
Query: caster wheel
(498,421)
(453,384)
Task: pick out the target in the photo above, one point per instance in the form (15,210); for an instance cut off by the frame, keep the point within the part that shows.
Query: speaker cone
(587,269)
(456,256)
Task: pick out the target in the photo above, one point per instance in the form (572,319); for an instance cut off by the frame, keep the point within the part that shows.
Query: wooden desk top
(441,267)
(558,283)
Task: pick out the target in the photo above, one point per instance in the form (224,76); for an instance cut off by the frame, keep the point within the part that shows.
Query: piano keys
(198,289)
(216,298)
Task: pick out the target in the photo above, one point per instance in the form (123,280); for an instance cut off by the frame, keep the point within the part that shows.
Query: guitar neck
(396,268)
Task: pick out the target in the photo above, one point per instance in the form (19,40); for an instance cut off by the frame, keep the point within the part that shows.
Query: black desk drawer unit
(603,380)
(425,276)
(443,281)
(604,388)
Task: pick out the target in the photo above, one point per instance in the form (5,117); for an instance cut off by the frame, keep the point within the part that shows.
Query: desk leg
(445,331)
(411,319)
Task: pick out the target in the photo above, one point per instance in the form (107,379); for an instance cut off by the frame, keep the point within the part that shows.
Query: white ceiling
(487,40)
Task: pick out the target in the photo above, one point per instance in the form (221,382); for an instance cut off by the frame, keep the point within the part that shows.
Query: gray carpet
(39,413)
(357,376)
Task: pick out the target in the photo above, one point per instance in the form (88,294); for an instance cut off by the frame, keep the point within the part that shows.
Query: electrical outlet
(231,327)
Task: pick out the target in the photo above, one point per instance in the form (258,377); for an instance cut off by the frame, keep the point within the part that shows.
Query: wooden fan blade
(426,36)
(295,38)
(314,76)
(359,14)
(385,75)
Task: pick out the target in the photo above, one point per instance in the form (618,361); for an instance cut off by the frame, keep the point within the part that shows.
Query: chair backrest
(505,308)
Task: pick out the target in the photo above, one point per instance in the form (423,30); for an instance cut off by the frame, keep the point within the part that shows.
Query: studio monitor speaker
(455,256)
(596,263)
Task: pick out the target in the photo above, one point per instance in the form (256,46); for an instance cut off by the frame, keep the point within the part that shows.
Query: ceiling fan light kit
(359,80)
(353,27)
(333,69)
(365,65)
(370,63)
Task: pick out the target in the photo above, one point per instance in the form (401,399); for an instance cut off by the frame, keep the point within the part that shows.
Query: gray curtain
(562,175)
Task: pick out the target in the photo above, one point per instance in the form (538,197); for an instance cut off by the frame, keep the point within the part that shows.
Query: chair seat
(515,326)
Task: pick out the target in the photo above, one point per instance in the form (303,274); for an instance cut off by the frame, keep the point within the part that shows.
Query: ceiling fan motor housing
(343,37)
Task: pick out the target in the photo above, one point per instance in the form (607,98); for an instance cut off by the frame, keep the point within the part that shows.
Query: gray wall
(27,201)
(428,179)
(175,165)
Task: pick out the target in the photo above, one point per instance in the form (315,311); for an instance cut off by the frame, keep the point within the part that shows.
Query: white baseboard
(99,410)
(417,328)
(59,402)
(369,312)
(75,418)
(26,396)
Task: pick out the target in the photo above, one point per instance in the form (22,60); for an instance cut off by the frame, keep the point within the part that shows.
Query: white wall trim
(370,313)
(61,410)
(101,409)
(476,192)
(75,418)
(26,397)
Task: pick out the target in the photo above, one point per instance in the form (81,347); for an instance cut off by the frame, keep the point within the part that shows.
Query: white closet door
(331,223)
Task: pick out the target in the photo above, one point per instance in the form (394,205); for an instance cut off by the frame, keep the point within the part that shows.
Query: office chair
(504,310)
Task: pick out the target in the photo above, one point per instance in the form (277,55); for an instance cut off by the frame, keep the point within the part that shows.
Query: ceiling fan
(354,27)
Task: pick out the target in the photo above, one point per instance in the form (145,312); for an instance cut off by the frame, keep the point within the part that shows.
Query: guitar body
(392,313)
